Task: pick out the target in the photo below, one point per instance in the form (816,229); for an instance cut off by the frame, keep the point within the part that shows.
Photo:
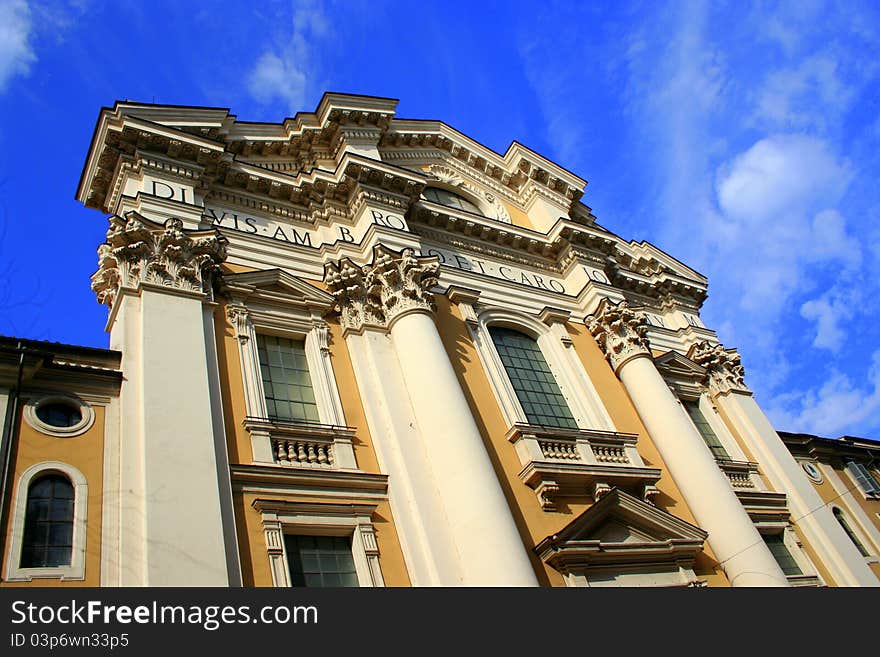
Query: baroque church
(353,349)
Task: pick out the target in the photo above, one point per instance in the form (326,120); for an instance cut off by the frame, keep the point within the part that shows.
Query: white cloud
(829,311)
(781,174)
(274,77)
(833,407)
(16,53)
(280,72)
(811,94)
(773,200)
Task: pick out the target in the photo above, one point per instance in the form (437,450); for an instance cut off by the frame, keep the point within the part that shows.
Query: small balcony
(301,444)
(578,462)
(743,475)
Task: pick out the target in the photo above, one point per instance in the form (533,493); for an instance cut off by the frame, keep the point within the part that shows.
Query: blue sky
(742,138)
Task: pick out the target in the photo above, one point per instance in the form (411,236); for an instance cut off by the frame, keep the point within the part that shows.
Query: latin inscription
(309,238)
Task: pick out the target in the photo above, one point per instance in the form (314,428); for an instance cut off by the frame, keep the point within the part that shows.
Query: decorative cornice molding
(620,331)
(376,294)
(724,370)
(139,251)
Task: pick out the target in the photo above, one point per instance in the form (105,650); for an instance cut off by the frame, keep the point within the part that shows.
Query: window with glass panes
(838,514)
(320,561)
(48,525)
(534,383)
(699,420)
(449,199)
(776,543)
(286,381)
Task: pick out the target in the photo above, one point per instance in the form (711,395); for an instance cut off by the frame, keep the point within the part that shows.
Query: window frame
(480,210)
(560,412)
(87,415)
(76,569)
(309,367)
(846,522)
(685,393)
(321,519)
(298,316)
(696,403)
(587,408)
(852,468)
(809,575)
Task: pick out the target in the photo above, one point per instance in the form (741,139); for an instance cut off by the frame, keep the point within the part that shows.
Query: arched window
(449,199)
(48,526)
(535,386)
(849,532)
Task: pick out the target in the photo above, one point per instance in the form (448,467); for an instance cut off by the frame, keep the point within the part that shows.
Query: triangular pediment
(276,286)
(619,509)
(675,365)
(620,527)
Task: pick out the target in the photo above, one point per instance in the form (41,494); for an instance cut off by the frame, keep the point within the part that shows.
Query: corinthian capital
(620,332)
(724,369)
(138,251)
(375,294)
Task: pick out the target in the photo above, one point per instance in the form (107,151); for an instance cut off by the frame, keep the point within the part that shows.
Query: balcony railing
(301,444)
(578,462)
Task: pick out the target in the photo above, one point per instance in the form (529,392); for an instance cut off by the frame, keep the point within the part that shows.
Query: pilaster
(156,279)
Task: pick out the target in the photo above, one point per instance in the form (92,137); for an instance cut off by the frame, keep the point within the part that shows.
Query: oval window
(59,414)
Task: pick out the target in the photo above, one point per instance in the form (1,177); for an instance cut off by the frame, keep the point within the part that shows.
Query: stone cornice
(142,252)
(724,369)
(655,281)
(375,295)
(620,331)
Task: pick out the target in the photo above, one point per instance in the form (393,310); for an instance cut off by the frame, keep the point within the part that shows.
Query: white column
(172,525)
(433,450)
(488,541)
(743,555)
(422,527)
(726,381)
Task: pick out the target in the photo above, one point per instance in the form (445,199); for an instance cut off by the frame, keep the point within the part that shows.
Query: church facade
(352,349)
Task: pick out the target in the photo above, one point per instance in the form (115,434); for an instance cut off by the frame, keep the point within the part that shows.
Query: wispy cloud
(746,123)
(16,52)
(285,71)
(833,407)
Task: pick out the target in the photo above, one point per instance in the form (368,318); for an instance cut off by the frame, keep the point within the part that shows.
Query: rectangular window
(776,543)
(863,478)
(320,561)
(715,446)
(286,381)
(535,386)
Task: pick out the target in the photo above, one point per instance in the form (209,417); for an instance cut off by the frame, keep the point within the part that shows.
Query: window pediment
(621,529)
(277,287)
(673,365)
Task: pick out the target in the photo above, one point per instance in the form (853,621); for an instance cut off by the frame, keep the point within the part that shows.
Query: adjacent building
(352,349)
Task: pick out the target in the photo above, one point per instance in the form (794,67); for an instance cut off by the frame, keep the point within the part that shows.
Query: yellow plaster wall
(533,523)
(251,540)
(518,217)
(86,454)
